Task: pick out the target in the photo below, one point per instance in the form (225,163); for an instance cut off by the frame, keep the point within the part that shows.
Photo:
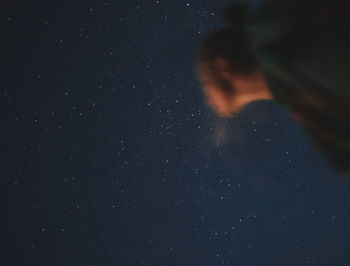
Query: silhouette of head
(228,71)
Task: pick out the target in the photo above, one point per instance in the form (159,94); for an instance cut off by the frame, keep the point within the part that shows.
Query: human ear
(222,67)
(221,64)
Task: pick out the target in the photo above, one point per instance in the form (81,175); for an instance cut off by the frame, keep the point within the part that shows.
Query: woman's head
(227,69)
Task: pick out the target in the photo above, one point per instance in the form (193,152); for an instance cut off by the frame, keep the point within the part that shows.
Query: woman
(294,52)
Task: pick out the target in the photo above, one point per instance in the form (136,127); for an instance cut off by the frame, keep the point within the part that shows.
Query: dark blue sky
(110,157)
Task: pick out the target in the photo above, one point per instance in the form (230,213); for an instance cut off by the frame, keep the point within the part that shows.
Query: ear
(221,64)
(222,67)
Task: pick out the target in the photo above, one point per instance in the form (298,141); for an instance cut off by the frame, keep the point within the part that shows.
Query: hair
(230,42)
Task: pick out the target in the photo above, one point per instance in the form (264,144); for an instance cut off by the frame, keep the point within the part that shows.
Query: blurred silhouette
(296,52)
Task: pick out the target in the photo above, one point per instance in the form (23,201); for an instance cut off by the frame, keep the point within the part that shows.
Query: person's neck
(252,88)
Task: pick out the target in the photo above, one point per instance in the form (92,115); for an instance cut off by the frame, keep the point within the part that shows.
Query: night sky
(109,155)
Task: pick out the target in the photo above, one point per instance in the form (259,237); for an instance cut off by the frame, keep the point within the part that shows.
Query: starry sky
(109,155)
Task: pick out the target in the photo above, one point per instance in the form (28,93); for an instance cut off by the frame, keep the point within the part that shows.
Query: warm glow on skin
(218,101)
(243,89)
